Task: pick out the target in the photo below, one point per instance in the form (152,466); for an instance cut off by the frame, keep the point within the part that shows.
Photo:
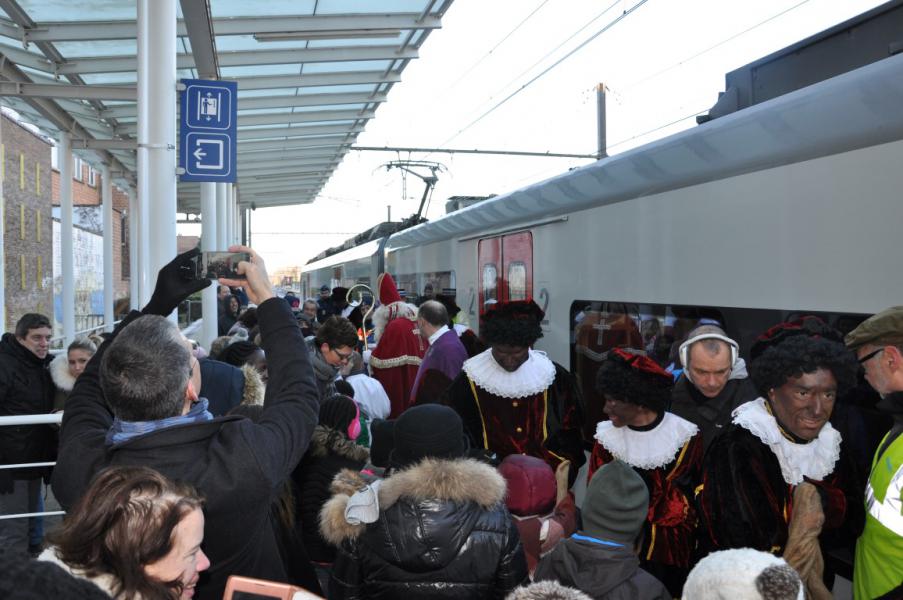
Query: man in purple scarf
(444,358)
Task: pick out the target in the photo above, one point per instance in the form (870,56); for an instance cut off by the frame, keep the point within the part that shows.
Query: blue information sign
(207,130)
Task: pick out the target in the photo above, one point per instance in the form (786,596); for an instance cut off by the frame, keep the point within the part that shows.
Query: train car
(790,206)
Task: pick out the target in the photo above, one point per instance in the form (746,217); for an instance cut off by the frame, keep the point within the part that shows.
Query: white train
(790,206)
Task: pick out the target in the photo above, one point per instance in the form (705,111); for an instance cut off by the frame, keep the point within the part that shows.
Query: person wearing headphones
(714,381)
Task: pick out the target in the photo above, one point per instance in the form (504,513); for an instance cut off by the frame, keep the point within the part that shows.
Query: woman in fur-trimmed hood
(67,366)
(440,528)
(332,448)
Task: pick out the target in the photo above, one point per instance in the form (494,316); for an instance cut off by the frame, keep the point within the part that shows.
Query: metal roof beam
(287,132)
(118,64)
(326,141)
(285,170)
(198,23)
(93,92)
(282,101)
(97,144)
(287,24)
(315,116)
(272,156)
(268,82)
(280,184)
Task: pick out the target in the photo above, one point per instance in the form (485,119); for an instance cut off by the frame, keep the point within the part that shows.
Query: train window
(425,286)
(517,281)
(490,283)
(598,326)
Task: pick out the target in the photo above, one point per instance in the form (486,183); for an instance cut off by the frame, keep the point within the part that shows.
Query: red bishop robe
(395,360)
(674,446)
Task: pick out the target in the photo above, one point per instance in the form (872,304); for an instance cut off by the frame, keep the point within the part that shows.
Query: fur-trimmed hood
(326,440)
(427,511)
(546,590)
(254,389)
(59,371)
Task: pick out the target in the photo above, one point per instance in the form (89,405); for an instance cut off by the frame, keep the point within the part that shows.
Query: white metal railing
(60,339)
(51,419)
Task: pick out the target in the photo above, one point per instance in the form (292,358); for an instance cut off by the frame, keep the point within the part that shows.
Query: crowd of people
(442,464)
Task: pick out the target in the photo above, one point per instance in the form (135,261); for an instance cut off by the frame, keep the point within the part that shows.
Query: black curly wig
(511,332)
(803,354)
(617,379)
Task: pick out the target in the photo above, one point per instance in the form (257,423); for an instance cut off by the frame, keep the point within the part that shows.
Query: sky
(488,80)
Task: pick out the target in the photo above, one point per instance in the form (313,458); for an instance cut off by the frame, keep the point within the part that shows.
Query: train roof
(857,109)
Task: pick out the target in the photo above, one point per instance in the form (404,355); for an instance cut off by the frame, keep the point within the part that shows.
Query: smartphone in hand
(217,265)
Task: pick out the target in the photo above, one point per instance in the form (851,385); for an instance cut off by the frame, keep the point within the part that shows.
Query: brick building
(27,221)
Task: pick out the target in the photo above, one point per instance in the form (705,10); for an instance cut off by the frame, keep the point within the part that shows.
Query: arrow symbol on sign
(199,153)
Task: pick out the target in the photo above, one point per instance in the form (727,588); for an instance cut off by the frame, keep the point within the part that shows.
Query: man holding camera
(135,404)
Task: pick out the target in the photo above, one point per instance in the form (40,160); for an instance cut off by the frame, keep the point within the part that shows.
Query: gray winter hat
(616,503)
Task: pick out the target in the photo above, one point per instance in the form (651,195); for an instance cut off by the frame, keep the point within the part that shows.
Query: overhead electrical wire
(608,26)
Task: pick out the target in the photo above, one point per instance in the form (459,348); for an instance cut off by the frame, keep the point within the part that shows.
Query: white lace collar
(533,377)
(814,460)
(647,449)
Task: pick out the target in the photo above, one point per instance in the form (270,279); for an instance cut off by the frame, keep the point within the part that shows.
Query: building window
(77,169)
(92,177)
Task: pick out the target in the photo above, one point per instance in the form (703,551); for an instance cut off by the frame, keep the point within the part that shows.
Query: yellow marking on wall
(40,275)
(21,171)
(21,221)
(37,225)
(37,179)
(22,270)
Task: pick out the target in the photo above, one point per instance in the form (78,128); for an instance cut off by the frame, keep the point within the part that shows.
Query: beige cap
(885,328)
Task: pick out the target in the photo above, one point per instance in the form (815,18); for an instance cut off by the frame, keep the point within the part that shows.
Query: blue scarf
(122,431)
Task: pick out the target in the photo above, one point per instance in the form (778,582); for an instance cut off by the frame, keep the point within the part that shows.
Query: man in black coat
(25,389)
(157,420)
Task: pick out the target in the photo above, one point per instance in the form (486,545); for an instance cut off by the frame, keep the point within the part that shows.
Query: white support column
(161,132)
(209,310)
(107,198)
(67,293)
(236,217)
(145,282)
(222,208)
(231,197)
(134,272)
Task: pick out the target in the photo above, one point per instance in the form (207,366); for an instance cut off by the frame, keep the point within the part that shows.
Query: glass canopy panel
(80,10)
(110,78)
(227,43)
(250,70)
(346,66)
(72,50)
(243,8)
(331,7)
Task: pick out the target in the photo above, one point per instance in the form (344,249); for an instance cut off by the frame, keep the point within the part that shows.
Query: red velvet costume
(747,496)
(670,531)
(399,347)
(544,423)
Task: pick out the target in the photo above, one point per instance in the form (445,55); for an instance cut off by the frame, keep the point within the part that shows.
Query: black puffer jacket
(330,451)
(25,389)
(443,532)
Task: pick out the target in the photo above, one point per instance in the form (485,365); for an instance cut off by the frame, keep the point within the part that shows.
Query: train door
(506,268)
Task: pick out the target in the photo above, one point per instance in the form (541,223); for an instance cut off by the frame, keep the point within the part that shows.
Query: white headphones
(684,349)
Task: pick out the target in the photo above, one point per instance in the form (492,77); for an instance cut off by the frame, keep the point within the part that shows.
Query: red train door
(517,262)
(506,268)
(489,254)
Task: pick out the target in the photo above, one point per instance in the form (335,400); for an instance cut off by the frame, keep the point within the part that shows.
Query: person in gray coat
(600,560)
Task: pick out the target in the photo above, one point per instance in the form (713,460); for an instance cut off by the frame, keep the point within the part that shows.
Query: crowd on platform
(441,463)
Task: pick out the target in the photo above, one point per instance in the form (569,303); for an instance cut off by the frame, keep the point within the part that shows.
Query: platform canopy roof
(310,74)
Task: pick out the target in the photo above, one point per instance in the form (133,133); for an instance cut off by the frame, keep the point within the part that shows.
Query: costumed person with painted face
(513,399)
(664,449)
(399,346)
(780,478)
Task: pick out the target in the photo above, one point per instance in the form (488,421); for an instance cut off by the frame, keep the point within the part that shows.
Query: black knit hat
(337,412)
(382,440)
(429,430)
(616,503)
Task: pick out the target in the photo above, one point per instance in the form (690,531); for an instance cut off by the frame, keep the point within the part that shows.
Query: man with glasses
(329,350)
(25,389)
(878,567)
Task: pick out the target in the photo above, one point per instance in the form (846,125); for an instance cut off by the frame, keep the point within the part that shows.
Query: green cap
(885,328)
(616,503)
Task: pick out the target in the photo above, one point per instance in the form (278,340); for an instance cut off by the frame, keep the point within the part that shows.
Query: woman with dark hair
(135,534)
(331,450)
(762,474)
(243,353)
(229,314)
